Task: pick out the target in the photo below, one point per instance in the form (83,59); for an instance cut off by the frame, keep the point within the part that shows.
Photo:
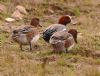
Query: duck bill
(75,41)
(73,21)
(40,25)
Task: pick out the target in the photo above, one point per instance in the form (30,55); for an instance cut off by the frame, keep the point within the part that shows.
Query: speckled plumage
(51,30)
(62,41)
(26,35)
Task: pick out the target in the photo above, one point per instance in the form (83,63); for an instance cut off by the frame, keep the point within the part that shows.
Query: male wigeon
(27,34)
(63,41)
(61,25)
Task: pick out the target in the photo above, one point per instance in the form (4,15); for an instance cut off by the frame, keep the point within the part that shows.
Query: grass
(42,62)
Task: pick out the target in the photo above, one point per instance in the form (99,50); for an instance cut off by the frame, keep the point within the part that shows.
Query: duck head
(74,33)
(35,22)
(64,19)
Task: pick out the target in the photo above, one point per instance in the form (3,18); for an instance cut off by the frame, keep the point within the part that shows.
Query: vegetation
(42,62)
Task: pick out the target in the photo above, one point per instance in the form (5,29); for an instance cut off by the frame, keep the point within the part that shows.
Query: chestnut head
(74,33)
(64,19)
(35,22)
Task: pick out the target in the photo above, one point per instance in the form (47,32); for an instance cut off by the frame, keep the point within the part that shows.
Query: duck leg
(30,46)
(21,47)
(66,50)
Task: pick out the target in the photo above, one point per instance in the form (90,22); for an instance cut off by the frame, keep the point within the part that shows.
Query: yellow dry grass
(41,62)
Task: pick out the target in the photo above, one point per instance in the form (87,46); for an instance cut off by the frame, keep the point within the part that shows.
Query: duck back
(51,30)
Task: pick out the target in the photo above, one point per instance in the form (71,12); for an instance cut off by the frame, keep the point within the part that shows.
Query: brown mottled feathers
(27,34)
(63,40)
(32,33)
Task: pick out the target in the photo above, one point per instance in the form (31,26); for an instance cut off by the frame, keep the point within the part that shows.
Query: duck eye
(24,31)
(62,38)
(54,38)
(15,31)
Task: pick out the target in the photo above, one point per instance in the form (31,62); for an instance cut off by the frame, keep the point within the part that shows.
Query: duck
(63,41)
(27,34)
(61,25)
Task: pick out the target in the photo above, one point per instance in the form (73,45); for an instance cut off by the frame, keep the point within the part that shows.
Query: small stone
(2,8)
(6,27)
(9,19)
(96,54)
(21,9)
(17,15)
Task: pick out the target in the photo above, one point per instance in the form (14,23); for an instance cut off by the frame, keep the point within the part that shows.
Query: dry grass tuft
(83,59)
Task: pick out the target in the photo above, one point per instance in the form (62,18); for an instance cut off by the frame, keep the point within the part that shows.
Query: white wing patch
(64,30)
(35,39)
(69,48)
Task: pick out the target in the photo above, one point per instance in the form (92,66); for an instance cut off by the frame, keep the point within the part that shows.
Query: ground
(81,61)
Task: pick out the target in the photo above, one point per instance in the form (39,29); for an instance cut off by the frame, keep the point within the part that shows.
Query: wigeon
(61,25)
(63,41)
(27,34)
